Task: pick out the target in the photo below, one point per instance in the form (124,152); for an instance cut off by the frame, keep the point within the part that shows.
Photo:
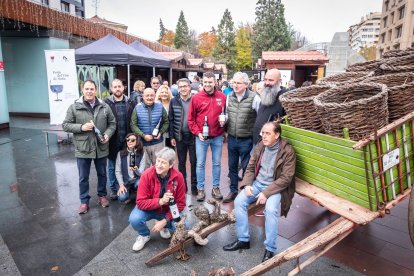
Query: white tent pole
(129,81)
(153,71)
(170,76)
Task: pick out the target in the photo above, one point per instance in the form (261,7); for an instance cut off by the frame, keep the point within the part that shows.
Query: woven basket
(400,93)
(391,69)
(364,66)
(344,78)
(400,100)
(300,108)
(360,107)
(398,53)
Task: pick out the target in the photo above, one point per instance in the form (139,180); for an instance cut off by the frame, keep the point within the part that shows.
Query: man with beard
(270,106)
(205,108)
(122,108)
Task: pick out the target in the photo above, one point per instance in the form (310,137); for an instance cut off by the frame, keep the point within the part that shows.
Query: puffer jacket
(284,173)
(86,143)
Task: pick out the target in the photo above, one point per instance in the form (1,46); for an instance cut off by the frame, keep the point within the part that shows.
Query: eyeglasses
(130,140)
(155,83)
(183,86)
(239,83)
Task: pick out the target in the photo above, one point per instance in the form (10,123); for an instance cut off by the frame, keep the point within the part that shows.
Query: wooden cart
(360,181)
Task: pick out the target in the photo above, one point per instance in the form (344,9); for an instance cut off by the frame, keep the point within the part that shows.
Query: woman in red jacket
(158,184)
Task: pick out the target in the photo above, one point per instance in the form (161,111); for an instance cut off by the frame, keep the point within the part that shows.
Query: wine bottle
(222,118)
(156,130)
(205,129)
(98,134)
(132,159)
(174,209)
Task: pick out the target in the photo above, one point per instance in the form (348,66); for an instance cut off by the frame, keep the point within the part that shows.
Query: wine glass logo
(56,88)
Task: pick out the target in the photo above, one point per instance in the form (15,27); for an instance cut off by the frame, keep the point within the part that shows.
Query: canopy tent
(110,50)
(156,59)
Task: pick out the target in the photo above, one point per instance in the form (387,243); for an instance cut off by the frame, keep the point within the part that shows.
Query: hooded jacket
(284,173)
(86,143)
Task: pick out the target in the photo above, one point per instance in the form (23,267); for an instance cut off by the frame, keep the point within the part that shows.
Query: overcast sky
(318,20)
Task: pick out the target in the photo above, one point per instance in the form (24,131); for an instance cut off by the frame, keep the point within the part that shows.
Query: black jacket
(175,116)
(113,142)
(266,114)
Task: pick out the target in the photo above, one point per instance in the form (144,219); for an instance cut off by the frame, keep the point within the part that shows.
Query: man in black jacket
(181,136)
(270,107)
(122,108)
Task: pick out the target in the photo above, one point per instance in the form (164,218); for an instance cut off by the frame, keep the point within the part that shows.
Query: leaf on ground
(54,268)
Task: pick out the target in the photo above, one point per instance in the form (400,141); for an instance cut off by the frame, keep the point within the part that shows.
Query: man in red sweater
(157,185)
(205,109)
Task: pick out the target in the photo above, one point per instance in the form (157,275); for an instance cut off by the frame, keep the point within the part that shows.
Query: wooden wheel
(411,217)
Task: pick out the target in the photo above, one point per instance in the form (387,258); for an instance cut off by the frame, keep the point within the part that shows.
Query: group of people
(140,136)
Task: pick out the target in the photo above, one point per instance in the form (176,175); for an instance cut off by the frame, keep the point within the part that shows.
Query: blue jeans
(129,189)
(113,183)
(238,148)
(216,144)
(241,205)
(138,220)
(84,168)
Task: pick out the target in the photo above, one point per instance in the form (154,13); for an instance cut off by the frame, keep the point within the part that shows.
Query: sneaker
(165,233)
(103,201)
(201,195)
(140,242)
(83,209)
(113,196)
(216,193)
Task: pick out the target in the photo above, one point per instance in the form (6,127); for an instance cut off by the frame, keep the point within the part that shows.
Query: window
(385,21)
(79,12)
(401,12)
(390,35)
(386,5)
(64,6)
(397,46)
(398,31)
(45,2)
(392,18)
(381,52)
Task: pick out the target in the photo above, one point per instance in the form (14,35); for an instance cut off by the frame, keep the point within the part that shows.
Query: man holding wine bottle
(240,121)
(204,122)
(160,196)
(149,120)
(92,123)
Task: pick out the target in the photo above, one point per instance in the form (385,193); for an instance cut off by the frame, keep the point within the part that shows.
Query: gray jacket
(86,143)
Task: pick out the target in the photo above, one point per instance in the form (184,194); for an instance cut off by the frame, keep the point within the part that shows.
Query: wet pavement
(40,225)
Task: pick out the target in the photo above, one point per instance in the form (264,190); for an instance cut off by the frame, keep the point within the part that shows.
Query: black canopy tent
(158,60)
(109,50)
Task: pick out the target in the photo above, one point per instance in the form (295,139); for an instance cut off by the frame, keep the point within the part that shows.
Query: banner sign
(61,82)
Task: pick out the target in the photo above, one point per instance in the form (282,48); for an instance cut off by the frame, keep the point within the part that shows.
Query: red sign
(1,65)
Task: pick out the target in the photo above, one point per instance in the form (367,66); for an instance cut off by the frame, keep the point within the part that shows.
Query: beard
(269,95)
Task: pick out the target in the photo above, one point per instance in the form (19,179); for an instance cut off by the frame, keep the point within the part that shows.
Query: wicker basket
(400,100)
(360,107)
(364,66)
(300,108)
(391,69)
(400,93)
(398,53)
(344,78)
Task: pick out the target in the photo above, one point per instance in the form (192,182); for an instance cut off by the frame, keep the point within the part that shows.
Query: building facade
(397,26)
(366,32)
(72,7)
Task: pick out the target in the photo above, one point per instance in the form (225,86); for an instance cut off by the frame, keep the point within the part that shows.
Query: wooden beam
(326,235)
(335,204)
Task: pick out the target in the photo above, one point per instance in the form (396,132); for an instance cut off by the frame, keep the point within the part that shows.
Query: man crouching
(157,185)
(269,180)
